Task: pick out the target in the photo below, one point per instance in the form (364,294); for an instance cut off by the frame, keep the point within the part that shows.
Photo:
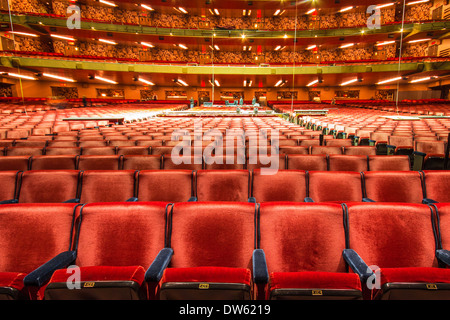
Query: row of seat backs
(148,149)
(207,236)
(319,162)
(224,185)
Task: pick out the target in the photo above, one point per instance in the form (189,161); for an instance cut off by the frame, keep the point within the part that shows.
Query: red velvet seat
(213,244)
(339,186)
(107,185)
(24,151)
(329,150)
(271,162)
(232,162)
(389,163)
(284,185)
(133,150)
(116,244)
(9,183)
(223,185)
(303,246)
(166,185)
(360,150)
(141,162)
(437,185)
(30,235)
(52,151)
(397,241)
(393,186)
(16,163)
(57,162)
(98,151)
(99,162)
(183,162)
(338,162)
(48,186)
(318,162)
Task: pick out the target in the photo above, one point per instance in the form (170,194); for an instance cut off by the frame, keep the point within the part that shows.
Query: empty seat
(393,186)
(339,142)
(23,151)
(31,235)
(98,151)
(398,242)
(52,151)
(436,185)
(134,150)
(360,150)
(325,150)
(141,162)
(212,247)
(223,185)
(284,185)
(318,162)
(15,163)
(389,163)
(303,246)
(166,185)
(338,186)
(272,162)
(182,162)
(293,150)
(112,268)
(57,162)
(99,162)
(224,162)
(107,186)
(9,182)
(338,162)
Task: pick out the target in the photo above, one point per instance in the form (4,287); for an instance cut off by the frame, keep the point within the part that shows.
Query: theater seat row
(223,250)
(260,185)
(320,162)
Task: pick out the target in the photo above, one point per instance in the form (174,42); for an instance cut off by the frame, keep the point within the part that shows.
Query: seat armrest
(367,200)
(9,201)
(192,199)
(252,200)
(428,201)
(156,270)
(72,201)
(357,264)
(260,271)
(443,256)
(308,199)
(132,199)
(41,275)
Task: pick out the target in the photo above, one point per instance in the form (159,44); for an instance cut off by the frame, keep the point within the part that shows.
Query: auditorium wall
(43,89)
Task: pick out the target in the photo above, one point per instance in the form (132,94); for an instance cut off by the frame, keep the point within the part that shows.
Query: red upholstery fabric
(290,231)
(54,151)
(234,162)
(214,234)
(326,150)
(184,163)
(103,273)
(8,183)
(57,162)
(307,162)
(165,185)
(393,186)
(360,150)
(437,185)
(141,162)
(121,234)
(314,280)
(285,185)
(357,163)
(98,162)
(335,186)
(392,235)
(107,185)
(14,163)
(48,186)
(208,274)
(426,275)
(293,150)
(223,185)
(389,163)
(32,234)
(12,280)
(268,162)
(99,151)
